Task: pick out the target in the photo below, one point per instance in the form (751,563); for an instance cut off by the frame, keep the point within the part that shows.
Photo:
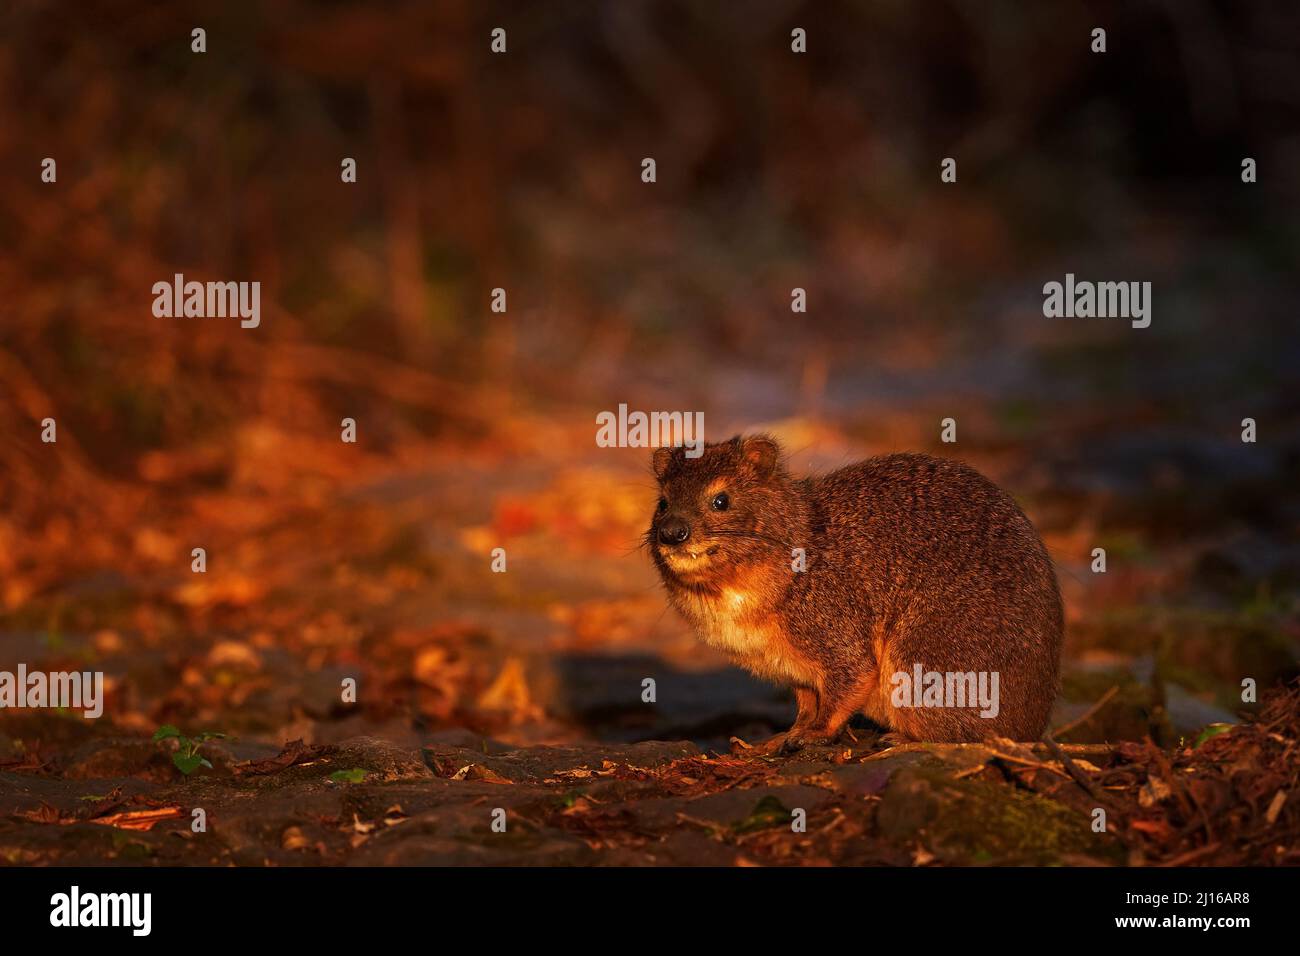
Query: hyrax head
(716,511)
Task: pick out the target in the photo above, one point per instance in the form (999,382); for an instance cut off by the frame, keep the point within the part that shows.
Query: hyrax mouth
(690,556)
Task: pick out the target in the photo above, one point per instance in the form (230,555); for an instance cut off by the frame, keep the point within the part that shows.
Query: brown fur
(909,559)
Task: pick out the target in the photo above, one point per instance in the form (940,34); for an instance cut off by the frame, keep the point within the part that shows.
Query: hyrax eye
(663,504)
(721,501)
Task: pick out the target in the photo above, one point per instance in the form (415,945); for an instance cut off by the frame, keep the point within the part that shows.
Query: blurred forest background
(476,430)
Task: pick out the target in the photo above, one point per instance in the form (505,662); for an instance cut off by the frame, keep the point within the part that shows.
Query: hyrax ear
(662,458)
(762,452)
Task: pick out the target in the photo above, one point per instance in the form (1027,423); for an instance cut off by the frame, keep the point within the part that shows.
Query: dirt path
(499,717)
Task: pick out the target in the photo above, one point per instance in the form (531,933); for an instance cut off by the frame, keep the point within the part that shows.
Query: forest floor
(515,698)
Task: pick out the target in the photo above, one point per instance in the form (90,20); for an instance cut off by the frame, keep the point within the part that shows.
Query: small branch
(1088,714)
(1081,778)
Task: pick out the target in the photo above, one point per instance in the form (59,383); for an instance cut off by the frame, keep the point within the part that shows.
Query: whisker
(750,535)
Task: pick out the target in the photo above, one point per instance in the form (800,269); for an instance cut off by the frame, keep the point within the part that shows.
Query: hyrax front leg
(836,703)
(806,699)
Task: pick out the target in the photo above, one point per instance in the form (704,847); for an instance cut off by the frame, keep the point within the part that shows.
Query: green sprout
(186,757)
(1211,730)
(355,775)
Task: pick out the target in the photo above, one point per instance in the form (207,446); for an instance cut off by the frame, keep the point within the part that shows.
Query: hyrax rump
(911,564)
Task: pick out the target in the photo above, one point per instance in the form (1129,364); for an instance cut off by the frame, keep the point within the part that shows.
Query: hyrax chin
(905,587)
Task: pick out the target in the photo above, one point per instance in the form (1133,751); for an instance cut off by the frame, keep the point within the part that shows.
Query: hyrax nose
(674,531)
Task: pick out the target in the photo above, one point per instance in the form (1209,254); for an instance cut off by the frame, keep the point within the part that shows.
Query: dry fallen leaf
(1275,807)
(235,654)
(294,752)
(43,814)
(235,589)
(294,839)
(473,771)
(1153,791)
(580,805)
(138,819)
(1157,829)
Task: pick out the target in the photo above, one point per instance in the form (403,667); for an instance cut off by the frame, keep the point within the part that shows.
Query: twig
(1081,778)
(1035,764)
(1088,714)
(1082,750)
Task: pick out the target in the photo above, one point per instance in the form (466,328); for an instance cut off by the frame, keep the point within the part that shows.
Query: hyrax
(911,566)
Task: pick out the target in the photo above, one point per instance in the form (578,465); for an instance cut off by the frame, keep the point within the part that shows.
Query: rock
(535,764)
(684,846)
(974,821)
(462,835)
(112,757)
(655,813)
(464,739)
(756,806)
(384,761)
(869,778)
(907,806)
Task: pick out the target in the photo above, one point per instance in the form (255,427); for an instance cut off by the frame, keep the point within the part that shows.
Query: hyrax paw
(772,746)
(796,741)
(792,744)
